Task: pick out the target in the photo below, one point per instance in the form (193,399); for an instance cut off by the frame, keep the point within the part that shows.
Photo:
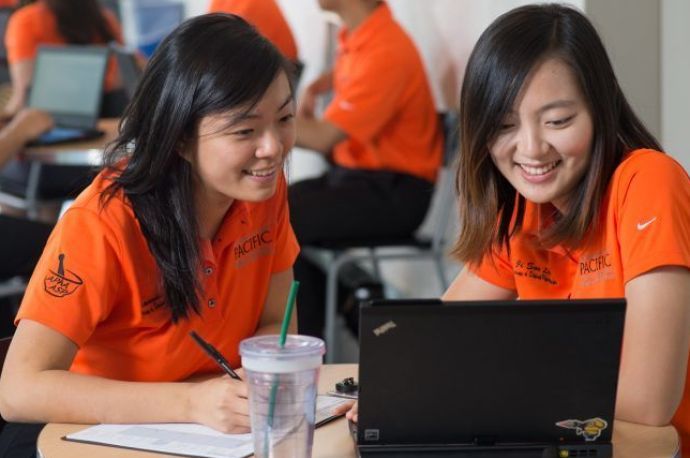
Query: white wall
(675,79)
(195,7)
(648,44)
(630,31)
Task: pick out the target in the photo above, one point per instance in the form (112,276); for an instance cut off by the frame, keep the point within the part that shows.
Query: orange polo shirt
(645,224)
(97,284)
(266,16)
(383,102)
(34,25)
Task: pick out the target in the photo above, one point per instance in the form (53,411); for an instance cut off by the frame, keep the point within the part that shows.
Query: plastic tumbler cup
(283,383)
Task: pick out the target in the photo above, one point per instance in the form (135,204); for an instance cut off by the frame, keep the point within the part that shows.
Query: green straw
(292,295)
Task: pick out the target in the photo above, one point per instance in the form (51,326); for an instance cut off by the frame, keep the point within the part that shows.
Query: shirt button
(208,270)
(211,303)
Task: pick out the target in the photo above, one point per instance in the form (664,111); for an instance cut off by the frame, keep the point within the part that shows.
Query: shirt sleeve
(19,37)
(286,247)
(75,283)
(364,104)
(496,269)
(653,218)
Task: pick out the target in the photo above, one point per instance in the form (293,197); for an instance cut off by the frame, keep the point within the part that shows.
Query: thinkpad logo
(384,328)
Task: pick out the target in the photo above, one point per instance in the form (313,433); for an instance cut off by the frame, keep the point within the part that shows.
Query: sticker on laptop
(590,429)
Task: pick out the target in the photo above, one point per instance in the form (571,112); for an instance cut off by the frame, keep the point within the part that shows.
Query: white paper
(185,438)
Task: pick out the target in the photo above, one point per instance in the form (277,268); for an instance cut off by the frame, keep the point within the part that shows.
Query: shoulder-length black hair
(210,64)
(508,50)
(80,22)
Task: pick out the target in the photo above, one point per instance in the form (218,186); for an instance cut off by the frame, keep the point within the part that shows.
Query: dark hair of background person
(503,58)
(209,65)
(79,22)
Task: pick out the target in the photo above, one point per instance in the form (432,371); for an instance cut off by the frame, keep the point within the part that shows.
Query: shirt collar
(236,216)
(537,218)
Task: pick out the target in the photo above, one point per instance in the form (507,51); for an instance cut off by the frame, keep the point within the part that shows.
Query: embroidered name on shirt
(250,248)
(63,282)
(533,271)
(152,305)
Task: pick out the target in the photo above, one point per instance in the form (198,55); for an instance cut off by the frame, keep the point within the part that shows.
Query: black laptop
(489,379)
(68,83)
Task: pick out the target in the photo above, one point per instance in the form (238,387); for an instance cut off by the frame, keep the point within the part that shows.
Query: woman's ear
(185,149)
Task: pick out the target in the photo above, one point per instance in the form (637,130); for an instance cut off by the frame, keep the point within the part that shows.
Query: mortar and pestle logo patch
(63,282)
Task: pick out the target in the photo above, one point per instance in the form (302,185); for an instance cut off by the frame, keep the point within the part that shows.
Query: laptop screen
(68,81)
(488,372)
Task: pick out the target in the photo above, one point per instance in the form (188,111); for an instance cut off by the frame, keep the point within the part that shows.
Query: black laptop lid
(489,372)
(68,83)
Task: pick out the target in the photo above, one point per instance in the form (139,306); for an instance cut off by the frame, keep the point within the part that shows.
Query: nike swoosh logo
(642,226)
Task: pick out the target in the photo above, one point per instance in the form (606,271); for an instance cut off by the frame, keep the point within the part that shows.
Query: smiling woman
(240,154)
(543,146)
(191,204)
(557,173)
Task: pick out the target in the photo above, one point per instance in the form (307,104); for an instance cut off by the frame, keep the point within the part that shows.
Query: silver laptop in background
(68,84)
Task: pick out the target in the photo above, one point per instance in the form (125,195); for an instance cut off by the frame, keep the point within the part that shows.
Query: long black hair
(508,50)
(208,65)
(80,22)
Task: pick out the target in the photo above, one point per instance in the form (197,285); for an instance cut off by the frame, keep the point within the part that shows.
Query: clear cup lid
(261,350)
(268,346)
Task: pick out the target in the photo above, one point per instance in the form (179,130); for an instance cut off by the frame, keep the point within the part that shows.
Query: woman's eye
(243,132)
(506,126)
(287,117)
(561,122)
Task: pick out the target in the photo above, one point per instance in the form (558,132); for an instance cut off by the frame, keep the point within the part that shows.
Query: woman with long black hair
(187,228)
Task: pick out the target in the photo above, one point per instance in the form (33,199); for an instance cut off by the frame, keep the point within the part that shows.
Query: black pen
(215,354)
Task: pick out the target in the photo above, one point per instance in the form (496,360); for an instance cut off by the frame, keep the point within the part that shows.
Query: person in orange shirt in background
(383,135)
(563,193)
(267,17)
(58,22)
(187,228)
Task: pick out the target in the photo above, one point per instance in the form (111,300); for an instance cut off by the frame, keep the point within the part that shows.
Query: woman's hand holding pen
(221,403)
